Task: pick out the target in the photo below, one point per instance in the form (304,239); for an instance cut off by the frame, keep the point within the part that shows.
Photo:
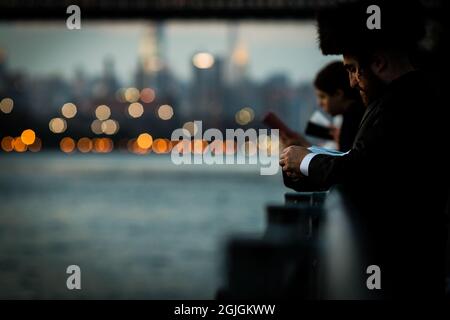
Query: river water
(139,227)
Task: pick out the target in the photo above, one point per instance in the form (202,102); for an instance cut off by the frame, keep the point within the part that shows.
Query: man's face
(363,79)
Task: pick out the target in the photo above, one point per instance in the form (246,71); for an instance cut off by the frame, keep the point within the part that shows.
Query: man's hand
(290,160)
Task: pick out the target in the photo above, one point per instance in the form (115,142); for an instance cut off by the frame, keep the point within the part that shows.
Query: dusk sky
(273,47)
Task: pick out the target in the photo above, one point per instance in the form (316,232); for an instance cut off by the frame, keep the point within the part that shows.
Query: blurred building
(277,95)
(152,64)
(207,89)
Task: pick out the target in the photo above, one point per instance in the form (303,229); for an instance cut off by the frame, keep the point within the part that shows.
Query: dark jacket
(350,125)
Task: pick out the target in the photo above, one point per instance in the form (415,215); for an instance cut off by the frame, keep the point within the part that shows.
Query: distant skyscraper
(109,76)
(237,57)
(151,58)
(277,95)
(207,93)
(240,60)
(80,87)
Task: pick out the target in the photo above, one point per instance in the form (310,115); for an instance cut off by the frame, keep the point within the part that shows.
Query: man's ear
(379,64)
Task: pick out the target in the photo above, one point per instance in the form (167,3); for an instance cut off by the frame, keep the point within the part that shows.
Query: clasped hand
(290,160)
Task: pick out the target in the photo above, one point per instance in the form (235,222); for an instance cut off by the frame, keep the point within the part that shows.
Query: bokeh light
(103,145)
(102,112)
(8,144)
(165,112)
(85,145)
(110,127)
(96,126)
(133,147)
(191,127)
(244,116)
(6,105)
(130,144)
(161,146)
(19,146)
(203,60)
(67,145)
(69,110)
(135,110)
(147,95)
(144,141)
(57,125)
(36,146)
(132,95)
(28,136)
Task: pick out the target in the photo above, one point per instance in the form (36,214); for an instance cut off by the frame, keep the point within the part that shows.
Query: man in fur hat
(394,173)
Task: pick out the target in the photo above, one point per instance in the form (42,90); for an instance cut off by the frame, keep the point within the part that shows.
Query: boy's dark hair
(334,77)
(342,28)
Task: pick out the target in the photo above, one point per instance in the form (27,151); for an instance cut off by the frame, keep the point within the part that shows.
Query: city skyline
(153,98)
(273,47)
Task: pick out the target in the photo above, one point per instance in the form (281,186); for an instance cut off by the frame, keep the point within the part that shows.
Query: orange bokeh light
(144,141)
(19,146)
(103,145)
(160,146)
(8,144)
(36,146)
(133,147)
(84,145)
(28,136)
(67,145)
(147,95)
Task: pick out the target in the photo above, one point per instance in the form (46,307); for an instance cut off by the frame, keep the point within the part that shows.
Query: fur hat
(342,28)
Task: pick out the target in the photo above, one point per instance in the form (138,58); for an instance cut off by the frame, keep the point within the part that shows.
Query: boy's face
(331,104)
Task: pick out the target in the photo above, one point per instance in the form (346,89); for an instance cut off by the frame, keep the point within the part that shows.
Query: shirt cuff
(304,165)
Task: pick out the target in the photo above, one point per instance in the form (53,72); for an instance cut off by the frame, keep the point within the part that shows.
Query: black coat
(350,125)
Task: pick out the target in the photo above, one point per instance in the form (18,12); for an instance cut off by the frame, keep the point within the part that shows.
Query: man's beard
(375,88)
(364,98)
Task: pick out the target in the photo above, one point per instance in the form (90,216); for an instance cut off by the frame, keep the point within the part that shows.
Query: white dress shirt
(304,165)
